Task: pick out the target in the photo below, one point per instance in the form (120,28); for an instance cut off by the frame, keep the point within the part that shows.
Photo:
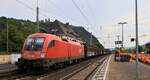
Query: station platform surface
(126,70)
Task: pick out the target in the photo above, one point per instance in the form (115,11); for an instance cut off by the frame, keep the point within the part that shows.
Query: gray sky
(103,16)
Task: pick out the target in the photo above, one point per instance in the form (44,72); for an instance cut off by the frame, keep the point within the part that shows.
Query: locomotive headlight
(42,55)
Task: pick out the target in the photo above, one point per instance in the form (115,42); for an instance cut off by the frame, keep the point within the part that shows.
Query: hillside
(86,36)
(20,29)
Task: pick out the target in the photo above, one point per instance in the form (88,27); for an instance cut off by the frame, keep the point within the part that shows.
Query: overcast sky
(103,16)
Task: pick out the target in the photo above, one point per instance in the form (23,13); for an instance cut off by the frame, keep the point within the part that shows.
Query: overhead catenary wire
(43,12)
(94,26)
(29,7)
(46,14)
(84,16)
(24,4)
(92,12)
(61,10)
(55,6)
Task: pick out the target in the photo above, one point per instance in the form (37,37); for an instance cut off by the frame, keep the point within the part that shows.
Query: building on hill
(77,32)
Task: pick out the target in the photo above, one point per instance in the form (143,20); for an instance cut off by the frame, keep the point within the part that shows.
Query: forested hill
(20,29)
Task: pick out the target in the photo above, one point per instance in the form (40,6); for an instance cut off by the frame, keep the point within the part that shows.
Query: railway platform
(126,70)
(114,70)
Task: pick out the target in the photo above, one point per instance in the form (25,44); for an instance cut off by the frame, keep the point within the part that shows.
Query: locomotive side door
(69,51)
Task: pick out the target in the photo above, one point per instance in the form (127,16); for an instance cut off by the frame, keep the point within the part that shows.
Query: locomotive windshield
(34,44)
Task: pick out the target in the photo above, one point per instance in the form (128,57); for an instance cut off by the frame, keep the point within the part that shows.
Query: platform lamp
(122,23)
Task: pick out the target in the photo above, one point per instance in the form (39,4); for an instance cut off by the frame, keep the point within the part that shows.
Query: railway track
(68,73)
(59,74)
(101,71)
(5,68)
(85,72)
(5,74)
(11,75)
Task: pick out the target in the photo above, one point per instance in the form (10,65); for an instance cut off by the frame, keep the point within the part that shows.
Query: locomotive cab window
(34,43)
(52,44)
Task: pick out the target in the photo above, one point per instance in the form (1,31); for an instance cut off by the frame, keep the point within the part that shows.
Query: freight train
(42,50)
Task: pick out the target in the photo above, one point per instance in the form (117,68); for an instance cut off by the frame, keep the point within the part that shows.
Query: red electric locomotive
(44,50)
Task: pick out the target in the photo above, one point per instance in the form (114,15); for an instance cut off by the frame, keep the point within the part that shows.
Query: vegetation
(18,30)
(141,49)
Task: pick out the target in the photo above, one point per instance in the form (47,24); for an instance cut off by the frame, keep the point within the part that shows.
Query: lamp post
(137,41)
(122,23)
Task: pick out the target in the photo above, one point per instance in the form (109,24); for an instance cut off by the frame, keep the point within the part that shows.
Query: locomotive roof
(60,38)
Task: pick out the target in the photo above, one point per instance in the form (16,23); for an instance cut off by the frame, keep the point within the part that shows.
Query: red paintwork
(62,48)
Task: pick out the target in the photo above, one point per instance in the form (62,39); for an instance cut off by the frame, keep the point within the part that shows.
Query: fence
(9,58)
